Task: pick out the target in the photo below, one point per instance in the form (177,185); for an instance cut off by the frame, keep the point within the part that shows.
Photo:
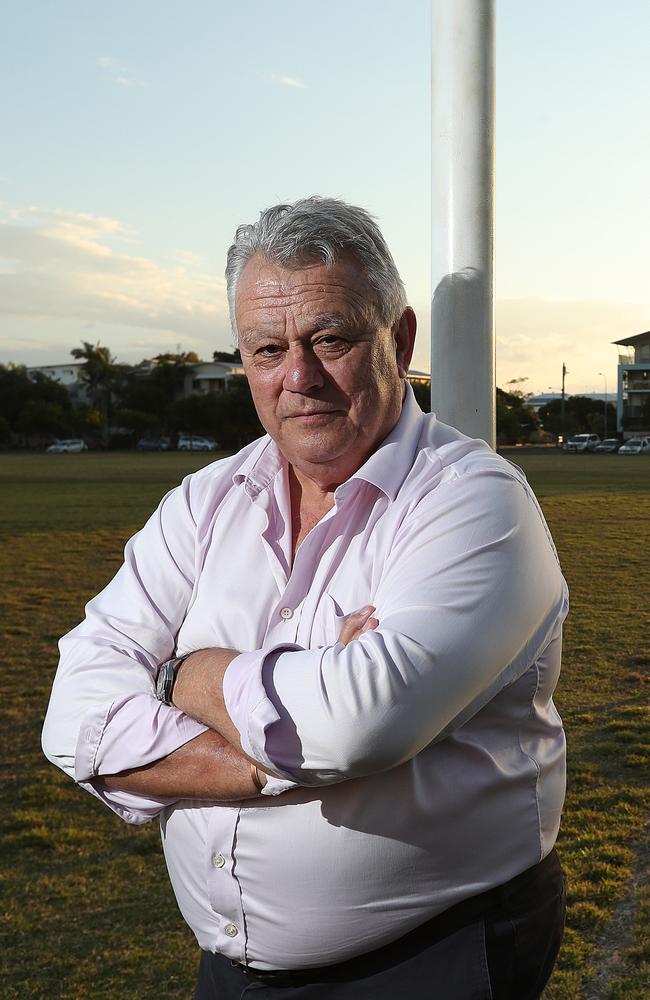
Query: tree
(38,416)
(17,388)
(234,356)
(583,415)
(187,415)
(169,372)
(32,405)
(235,418)
(517,387)
(146,396)
(87,420)
(136,421)
(422,393)
(103,377)
(515,421)
(228,416)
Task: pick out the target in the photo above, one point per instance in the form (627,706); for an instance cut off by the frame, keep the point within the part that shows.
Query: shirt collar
(260,467)
(386,468)
(389,465)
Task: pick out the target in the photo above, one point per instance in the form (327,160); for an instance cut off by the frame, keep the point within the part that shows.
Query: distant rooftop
(636,341)
(543,398)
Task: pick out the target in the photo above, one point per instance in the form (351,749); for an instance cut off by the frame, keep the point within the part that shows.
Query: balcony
(636,423)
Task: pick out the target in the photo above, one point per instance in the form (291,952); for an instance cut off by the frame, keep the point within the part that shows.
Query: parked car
(194,442)
(635,446)
(153,444)
(582,442)
(609,445)
(68,445)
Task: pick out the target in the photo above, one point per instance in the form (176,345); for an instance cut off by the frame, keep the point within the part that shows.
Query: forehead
(267,292)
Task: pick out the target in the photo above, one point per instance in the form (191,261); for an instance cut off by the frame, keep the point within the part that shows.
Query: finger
(354,623)
(370,624)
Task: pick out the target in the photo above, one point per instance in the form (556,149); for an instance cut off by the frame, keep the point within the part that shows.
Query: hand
(357,623)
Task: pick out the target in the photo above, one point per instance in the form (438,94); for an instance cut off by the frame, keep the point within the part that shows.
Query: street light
(565,372)
(605,410)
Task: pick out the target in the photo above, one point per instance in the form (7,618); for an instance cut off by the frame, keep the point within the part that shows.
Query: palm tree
(170,371)
(102,375)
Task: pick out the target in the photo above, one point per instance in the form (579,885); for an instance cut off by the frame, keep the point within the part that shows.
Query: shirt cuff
(132,731)
(275,786)
(132,808)
(251,710)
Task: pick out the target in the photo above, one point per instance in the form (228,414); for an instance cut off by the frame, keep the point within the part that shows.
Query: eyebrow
(323,321)
(331,321)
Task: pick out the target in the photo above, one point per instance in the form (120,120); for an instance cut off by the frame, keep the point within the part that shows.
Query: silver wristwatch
(166,677)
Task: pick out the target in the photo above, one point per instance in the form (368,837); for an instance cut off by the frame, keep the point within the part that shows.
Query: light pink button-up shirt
(419,765)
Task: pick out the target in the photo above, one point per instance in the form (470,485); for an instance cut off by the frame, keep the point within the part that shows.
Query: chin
(316,451)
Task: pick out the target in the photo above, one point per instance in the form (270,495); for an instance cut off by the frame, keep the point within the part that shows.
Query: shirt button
(218,861)
(231,930)
(286,613)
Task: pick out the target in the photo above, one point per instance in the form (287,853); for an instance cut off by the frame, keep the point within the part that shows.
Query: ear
(404,334)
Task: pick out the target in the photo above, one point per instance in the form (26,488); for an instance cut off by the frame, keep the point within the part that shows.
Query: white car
(582,442)
(608,446)
(68,445)
(194,442)
(635,446)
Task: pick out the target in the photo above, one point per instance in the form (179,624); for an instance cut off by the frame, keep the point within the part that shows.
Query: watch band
(255,775)
(166,677)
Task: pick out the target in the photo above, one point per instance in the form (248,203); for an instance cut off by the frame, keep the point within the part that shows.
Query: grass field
(86,908)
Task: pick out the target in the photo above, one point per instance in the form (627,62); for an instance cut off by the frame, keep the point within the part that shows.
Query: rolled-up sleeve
(103,716)
(469,597)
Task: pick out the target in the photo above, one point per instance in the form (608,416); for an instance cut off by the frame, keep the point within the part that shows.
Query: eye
(330,340)
(268,350)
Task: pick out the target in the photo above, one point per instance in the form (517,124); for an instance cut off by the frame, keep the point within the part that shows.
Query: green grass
(554,473)
(97,490)
(87,911)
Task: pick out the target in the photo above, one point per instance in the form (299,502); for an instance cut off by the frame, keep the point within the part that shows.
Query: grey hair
(319,229)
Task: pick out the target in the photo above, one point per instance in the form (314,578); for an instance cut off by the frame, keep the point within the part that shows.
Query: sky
(139,134)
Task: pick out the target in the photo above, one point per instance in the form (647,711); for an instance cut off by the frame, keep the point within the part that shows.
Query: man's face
(325,374)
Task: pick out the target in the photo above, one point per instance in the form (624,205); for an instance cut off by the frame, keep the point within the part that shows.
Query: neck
(310,492)
(309,503)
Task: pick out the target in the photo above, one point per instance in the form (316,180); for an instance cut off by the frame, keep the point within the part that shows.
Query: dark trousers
(500,946)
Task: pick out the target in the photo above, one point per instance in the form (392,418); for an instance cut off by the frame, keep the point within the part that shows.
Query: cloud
(79,268)
(186,258)
(129,81)
(123,77)
(289,81)
(536,336)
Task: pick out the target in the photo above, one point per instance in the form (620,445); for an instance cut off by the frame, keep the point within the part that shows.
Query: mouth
(313,416)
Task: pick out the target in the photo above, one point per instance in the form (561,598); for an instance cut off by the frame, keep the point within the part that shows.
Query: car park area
(67,446)
(635,446)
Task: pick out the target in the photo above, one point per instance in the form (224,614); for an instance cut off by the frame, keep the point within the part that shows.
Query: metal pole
(605,412)
(564,373)
(462,205)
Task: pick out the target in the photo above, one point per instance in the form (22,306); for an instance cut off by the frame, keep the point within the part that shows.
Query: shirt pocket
(328,622)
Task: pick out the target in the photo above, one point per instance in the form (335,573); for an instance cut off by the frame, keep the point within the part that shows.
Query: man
(354,753)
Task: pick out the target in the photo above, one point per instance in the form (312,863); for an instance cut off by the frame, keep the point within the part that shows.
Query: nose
(304,372)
